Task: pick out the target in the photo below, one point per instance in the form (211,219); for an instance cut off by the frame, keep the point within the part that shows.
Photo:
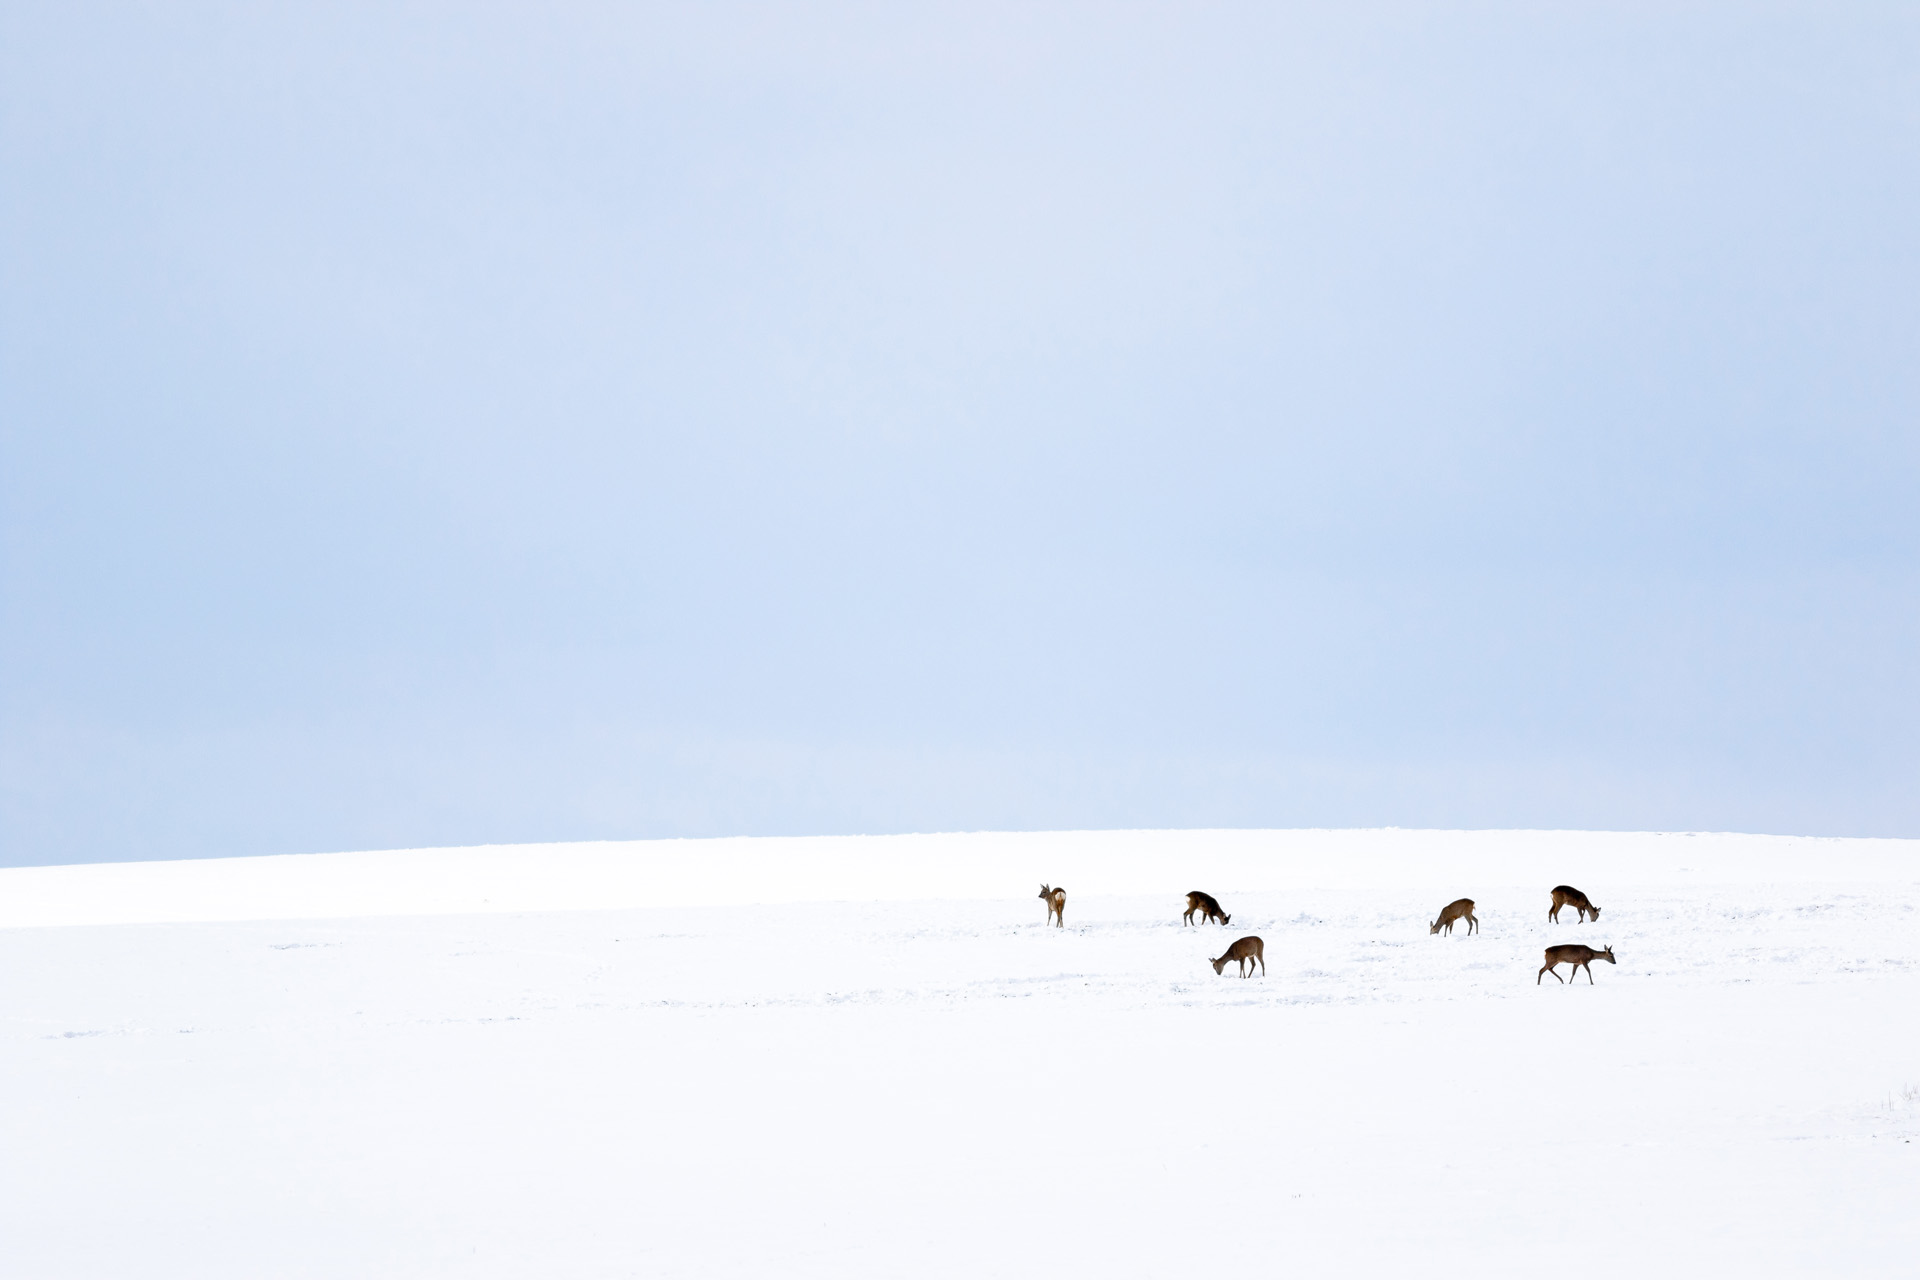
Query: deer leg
(1263,966)
(1589,969)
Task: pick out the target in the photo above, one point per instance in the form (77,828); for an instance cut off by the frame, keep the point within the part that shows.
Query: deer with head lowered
(1460,910)
(1207,908)
(1565,895)
(1243,952)
(1576,955)
(1056,900)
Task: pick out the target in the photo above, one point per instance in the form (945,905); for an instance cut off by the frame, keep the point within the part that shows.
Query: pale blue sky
(440,424)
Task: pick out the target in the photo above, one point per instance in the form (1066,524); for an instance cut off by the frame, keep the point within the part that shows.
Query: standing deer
(1576,955)
(1208,909)
(1461,910)
(1056,900)
(1565,895)
(1244,952)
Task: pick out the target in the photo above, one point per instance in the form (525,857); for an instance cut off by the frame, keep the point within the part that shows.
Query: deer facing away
(1576,955)
(1056,900)
(1460,910)
(1206,907)
(1243,952)
(1565,895)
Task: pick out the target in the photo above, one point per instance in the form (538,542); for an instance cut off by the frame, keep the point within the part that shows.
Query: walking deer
(1565,895)
(1208,909)
(1244,952)
(1461,910)
(1576,955)
(1056,900)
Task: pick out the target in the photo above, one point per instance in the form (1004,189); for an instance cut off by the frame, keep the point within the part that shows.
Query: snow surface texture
(679,1065)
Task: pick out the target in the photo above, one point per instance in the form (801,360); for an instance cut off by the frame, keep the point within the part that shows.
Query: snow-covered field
(868,1057)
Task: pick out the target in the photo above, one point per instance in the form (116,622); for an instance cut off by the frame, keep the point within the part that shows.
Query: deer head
(1225,918)
(1593,912)
(1219,965)
(1046,891)
(1607,955)
(1434,927)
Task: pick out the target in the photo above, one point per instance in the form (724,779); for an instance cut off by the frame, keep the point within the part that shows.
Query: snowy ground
(942,1086)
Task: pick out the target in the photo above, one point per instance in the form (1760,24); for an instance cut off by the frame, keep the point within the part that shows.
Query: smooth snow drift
(871,1058)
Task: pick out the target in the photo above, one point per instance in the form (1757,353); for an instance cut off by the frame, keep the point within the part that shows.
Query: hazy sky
(435,424)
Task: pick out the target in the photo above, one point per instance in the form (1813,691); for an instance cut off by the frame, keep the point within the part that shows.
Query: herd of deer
(1250,949)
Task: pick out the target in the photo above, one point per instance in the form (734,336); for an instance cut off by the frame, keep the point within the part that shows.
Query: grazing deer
(1576,955)
(1565,895)
(1245,952)
(1461,910)
(1056,900)
(1204,904)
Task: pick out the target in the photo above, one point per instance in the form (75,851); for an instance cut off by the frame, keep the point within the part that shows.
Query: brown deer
(1056,900)
(1565,895)
(1244,952)
(1208,909)
(1576,955)
(1461,910)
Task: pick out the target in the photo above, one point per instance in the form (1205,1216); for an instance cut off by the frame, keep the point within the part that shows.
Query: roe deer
(1576,955)
(1565,895)
(1461,910)
(1056,900)
(1208,908)
(1245,952)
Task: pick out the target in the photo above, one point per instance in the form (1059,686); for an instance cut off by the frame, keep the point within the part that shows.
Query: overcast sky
(442,424)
